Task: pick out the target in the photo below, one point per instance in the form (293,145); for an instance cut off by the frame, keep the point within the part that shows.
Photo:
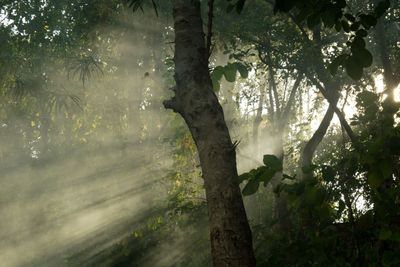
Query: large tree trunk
(195,101)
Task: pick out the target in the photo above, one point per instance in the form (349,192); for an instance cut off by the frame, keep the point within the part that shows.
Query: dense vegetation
(94,171)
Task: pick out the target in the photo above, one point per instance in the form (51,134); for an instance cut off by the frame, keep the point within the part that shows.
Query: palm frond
(85,67)
(138,4)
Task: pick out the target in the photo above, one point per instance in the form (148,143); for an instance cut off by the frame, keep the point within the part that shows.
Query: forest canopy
(199,133)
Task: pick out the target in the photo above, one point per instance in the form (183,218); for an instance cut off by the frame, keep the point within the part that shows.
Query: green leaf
(251,187)
(385,167)
(367,99)
(217,72)
(243,177)
(363,57)
(357,43)
(244,73)
(338,61)
(216,85)
(273,162)
(368,20)
(314,196)
(216,76)
(350,17)
(328,173)
(353,68)
(230,72)
(354,26)
(362,33)
(345,26)
(385,234)
(375,179)
(266,176)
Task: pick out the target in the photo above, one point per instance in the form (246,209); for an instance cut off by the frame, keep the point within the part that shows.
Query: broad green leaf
(368,20)
(361,33)
(217,72)
(216,76)
(266,176)
(353,68)
(216,85)
(230,72)
(345,26)
(357,43)
(244,73)
(243,177)
(273,162)
(251,187)
(367,99)
(363,57)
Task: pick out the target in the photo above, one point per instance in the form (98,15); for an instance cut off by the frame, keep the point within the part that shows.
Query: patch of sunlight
(397,94)
(379,84)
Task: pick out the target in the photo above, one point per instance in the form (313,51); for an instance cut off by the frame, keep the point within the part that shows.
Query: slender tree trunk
(282,213)
(195,101)
(331,93)
(312,144)
(257,121)
(281,205)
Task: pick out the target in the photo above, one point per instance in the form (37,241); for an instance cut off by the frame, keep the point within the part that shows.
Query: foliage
(68,89)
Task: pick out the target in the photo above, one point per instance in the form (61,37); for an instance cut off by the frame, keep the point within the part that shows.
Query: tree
(196,102)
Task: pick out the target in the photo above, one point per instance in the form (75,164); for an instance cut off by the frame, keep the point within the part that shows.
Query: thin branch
(289,104)
(209,26)
(340,115)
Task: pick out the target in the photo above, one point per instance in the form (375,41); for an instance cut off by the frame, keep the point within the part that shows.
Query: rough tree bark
(195,101)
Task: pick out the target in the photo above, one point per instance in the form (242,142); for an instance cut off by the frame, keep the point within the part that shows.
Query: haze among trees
(199,133)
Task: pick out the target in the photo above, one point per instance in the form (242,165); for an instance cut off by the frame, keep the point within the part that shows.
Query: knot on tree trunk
(172,104)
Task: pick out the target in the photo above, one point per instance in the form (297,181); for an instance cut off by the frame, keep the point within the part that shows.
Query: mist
(95,171)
